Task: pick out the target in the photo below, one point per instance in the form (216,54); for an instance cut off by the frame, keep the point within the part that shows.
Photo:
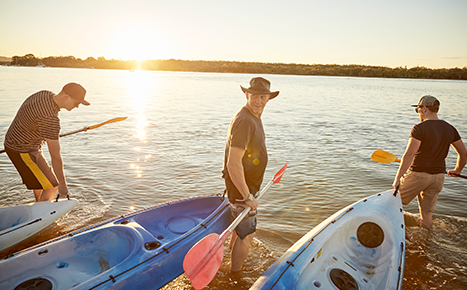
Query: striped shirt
(36,120)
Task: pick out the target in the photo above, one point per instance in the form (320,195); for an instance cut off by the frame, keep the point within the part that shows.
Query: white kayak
(360,247)
(18,223)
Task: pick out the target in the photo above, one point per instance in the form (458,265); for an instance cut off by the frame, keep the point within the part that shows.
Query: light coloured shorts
(33,168)
(423,185)
(248,225)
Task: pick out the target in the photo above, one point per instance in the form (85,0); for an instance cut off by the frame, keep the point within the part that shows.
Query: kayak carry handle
(58,194)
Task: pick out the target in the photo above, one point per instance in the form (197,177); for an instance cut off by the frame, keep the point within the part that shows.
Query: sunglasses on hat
(417,108)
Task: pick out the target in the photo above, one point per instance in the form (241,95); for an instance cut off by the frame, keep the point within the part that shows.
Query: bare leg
(37,194)
(239,252)
(45,194)
(426,221)
(232,239)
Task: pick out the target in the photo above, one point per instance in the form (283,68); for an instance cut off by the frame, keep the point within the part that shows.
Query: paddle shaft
(241,216)
(455,175)
(118,119)
(275,179)
(382,156)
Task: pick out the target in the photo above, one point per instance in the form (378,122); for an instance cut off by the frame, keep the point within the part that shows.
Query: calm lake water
(172,145)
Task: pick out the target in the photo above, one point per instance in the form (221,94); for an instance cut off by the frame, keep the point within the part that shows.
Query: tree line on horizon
(242,67)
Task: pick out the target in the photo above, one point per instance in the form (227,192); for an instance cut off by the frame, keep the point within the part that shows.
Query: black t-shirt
(246,132)
(436,137)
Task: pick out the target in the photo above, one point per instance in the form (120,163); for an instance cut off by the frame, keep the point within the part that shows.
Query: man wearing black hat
(36,122)
(425,155)
(245,161)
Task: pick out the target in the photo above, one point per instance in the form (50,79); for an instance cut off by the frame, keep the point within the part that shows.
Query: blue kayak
(361,246)
(140,250)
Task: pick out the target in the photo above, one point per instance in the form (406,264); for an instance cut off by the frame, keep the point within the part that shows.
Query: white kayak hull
(18,223)
(360,247)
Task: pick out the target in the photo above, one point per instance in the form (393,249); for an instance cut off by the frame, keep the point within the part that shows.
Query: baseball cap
(428,101)
(77,92)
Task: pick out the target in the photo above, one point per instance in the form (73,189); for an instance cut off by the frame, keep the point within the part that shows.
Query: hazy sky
(431,33)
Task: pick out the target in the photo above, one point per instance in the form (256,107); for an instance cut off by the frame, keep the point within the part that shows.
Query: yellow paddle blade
(107,122)
(384,157)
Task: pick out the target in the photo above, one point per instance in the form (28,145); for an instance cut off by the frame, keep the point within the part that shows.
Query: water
(171,146)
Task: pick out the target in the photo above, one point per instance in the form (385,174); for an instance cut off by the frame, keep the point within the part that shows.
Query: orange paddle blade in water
(204,260)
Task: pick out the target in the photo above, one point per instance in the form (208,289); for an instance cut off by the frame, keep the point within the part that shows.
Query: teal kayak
(140,250)
(362,246)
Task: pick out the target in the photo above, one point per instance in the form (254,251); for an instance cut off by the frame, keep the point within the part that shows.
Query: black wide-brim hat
(260,86)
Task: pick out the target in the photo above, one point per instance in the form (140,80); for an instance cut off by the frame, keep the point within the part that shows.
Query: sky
(392,33)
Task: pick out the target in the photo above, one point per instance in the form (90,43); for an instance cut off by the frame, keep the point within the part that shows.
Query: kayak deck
(360,247)
(111,253)
(18,223)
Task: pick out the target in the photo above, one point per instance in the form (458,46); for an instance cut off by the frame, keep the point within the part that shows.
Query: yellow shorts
(426,187)
(33,168)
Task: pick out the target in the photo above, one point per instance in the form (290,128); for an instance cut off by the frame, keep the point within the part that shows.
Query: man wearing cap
(422,168)
(245,161)
(36,122)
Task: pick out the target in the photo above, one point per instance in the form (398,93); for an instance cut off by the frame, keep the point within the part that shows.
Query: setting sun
(135,41)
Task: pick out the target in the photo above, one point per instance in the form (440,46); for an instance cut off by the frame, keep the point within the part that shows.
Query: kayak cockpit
(360,253)
(71,262)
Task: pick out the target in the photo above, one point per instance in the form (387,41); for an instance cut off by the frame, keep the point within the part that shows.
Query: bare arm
(461,158)
(237,174)
(57,165)
(406,160)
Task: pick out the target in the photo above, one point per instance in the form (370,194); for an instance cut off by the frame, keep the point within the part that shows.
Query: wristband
(250,198)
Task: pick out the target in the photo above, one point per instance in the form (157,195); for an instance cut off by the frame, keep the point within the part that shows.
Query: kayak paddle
(204,259)
(118,119)
(382,156)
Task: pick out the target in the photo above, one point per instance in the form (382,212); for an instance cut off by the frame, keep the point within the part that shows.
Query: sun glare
(141,89)
(135,41)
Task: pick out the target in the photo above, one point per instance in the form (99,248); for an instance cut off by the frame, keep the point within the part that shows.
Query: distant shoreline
(239,67)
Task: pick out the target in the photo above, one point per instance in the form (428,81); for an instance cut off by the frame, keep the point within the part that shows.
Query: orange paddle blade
(384,157)
(204,260)
(277,177)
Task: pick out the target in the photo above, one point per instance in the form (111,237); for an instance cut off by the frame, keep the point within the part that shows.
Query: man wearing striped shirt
(37,122)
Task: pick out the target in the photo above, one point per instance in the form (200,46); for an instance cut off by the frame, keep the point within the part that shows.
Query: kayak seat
(13,216)
(370,235)
(170,222)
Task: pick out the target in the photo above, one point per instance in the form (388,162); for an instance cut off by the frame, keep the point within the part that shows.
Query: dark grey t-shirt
(246,132)
(436,137)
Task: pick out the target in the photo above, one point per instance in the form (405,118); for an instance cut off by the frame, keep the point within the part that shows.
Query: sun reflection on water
(140,86)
